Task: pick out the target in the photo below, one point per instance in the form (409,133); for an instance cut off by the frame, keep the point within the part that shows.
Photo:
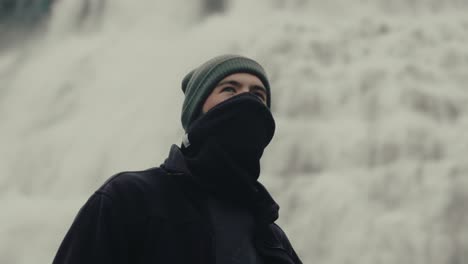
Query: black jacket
(153,216)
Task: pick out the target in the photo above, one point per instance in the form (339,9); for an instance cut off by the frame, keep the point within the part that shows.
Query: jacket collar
(268,242)
(175,162)
(177,169)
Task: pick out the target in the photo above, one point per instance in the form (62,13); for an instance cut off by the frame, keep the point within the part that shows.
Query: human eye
(260,95)
(228,89)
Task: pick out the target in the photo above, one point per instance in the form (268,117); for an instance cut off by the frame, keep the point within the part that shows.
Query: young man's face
(233,85)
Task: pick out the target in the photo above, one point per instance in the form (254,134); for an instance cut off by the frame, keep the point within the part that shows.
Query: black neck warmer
(226,145)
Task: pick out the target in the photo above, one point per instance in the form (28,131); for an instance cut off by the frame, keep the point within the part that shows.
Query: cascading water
(369,160)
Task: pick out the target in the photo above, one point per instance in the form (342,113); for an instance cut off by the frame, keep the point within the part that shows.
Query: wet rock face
(7,9)
(6,5)
(19,19)
(24,11)
(214,6)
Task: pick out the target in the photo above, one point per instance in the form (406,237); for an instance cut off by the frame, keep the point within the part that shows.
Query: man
(204,204)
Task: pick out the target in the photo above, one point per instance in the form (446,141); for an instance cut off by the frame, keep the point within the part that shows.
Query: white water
(369,160)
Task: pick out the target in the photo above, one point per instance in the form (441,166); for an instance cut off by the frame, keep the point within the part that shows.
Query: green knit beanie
(198,84)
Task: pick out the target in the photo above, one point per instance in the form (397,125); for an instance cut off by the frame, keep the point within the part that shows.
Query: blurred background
(369,161)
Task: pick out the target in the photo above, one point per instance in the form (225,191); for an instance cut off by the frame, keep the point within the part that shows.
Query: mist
(368,162)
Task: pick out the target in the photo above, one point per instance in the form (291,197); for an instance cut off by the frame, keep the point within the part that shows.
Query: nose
(244,89)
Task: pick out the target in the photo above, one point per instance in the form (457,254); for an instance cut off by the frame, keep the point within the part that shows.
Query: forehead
(243,78)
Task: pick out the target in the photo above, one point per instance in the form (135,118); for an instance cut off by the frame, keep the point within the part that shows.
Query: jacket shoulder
(146,189)
(154,191)
(283,238)
(132,181)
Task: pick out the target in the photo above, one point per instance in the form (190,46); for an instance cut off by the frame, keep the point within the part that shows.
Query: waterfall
(369,159)
(214,6)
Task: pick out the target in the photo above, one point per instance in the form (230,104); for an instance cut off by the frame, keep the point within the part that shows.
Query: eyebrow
(237,84)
